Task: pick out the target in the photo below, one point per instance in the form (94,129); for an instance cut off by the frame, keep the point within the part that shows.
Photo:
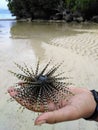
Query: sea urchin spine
(43,87)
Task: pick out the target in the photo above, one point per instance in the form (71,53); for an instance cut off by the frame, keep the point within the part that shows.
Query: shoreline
(49,21)
(8,19)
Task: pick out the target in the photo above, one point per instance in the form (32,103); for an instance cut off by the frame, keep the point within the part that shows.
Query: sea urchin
(43,87)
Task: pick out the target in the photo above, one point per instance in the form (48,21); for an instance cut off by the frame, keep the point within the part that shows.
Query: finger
(64,114)
(33,107)
(12,92)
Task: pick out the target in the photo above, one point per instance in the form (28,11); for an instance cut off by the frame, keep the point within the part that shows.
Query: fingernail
(40,122)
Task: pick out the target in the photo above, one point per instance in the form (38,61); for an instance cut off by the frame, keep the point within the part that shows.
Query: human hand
(81,105)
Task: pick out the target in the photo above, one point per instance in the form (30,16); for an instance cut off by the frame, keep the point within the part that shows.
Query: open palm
(81,105)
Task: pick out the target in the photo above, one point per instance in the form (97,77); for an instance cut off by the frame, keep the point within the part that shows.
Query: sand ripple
(85,44)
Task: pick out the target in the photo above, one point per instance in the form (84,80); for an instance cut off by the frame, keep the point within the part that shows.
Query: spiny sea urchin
(43,87)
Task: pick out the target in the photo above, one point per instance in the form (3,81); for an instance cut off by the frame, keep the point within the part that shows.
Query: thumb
(47,117)
(63,114)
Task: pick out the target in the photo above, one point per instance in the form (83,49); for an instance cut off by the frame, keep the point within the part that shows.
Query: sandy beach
(78,49)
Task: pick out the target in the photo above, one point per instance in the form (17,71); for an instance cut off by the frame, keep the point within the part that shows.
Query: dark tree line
(56,9)
(41,9)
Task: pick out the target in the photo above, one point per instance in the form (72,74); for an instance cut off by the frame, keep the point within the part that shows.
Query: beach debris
(41,87)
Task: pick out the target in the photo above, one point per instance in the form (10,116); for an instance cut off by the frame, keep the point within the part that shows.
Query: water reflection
(46,30)
(43,31)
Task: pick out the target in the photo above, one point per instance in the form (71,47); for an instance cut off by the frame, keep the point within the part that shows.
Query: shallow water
(76,44)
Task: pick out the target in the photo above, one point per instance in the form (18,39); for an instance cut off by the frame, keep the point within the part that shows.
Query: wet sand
(78,48)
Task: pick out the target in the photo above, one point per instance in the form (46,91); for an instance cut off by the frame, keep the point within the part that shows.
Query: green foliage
(19,8)
(44,9)
(33,8)
(78,4)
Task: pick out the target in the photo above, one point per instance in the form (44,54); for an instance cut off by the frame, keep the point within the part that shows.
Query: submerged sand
(80,55)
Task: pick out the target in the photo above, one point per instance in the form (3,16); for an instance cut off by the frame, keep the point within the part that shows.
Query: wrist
(94,116)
